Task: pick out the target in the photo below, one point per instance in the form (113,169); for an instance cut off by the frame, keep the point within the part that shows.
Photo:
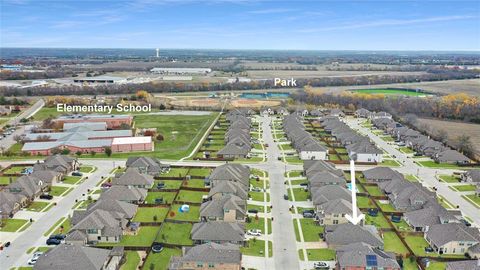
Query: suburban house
(378,115)
(323,194)
(364,151)
(471,176)
(307,147)
(28,186)
(337,236)
(219,232)
(380,174)
(420,220)
(77,257)
(208,256)
(337,112)
(228,208)
(462,265)
(451,156)
(101,226)
(228,187)
(333,212)
(133,178)
(313,151)
(361,256)
(312,166)
(230,172)
(362,113)
(146,165)
(323,178)
(125,194)
(10,203)
(58,163)
(452,238)
(237,137)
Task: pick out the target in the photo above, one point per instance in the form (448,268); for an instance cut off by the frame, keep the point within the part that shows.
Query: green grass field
(12,225)
(174,233)
(132,260)
(397,92)
(255,247)
(159,261)
(192,215)
(147,214)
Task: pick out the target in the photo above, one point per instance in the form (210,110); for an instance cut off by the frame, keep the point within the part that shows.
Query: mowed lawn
(190,196)
(175,233)
(148,214)
(159,261)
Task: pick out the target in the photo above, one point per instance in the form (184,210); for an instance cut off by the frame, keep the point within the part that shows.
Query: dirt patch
(254,103)
(204,102)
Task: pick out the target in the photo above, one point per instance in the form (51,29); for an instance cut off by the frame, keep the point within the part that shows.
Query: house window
(211,265)
(335,215)
(335,221)
(92,231)
(199,264)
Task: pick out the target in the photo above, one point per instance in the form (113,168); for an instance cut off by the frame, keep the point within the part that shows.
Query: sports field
(398,92)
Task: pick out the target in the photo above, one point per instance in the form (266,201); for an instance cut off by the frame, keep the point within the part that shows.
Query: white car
(321,265)
(254,232)
(35,257)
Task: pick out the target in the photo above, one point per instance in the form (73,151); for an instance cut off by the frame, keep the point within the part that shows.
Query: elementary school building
(86,136)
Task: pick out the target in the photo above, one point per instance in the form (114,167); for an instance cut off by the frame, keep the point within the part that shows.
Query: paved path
(426,175)
(15,255)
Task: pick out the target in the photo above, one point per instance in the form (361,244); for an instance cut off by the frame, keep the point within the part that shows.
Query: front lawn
(322,254)
(190,196)
(406,150)
(259,224)
(167,197)
(300,194)
(449,178)
(463,188)
(473,199)
(294,173)
(57,190)
(311,231)
(12,224)
(87,169)
(259,208)
(258,196)
(175,233)
(37,206)
(433,164)
(71,180)
(192,215)
(390,163)
(159,261)
(150,214)
(255,247)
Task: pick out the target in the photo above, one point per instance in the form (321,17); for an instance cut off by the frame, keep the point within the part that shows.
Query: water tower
(158,52)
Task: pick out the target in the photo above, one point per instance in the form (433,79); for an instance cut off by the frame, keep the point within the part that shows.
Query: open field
(388,92)
(455,129)
(262,74)
(442,87)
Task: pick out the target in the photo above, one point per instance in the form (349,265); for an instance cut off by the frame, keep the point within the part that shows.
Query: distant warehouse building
(100,79)
(181,71)
(111,120)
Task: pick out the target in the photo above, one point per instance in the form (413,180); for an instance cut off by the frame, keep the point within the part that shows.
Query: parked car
(32,261)
(57,236)
(285,196)
(257,189)
(77,174)
(320,265)
(304,184)
(46,196)
(157,248)
(308,215)
(468,224)
(7,244)
(429,249)
(53,241)
(253,211)
(254,232)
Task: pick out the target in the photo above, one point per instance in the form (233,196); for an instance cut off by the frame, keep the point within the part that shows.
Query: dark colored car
(304,184)
(285,196)
(77,174)
(46,196)
(308,215)
(429,249)
(7,244)
(157,248)
(57,236)
(468,224)
(53,241)
(253,211)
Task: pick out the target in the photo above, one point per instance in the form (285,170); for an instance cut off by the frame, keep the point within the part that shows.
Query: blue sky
(217,24)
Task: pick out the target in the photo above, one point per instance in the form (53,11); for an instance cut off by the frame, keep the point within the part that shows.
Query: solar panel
(371,260)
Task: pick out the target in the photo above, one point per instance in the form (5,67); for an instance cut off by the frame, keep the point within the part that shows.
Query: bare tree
(441,135)
(464,144)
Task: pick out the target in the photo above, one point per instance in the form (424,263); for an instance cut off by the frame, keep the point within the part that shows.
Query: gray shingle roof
(132,177)
(348,233)
(218,231)
(355,255)
(72,257)
(216,208)
(441,234)
(464,265)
